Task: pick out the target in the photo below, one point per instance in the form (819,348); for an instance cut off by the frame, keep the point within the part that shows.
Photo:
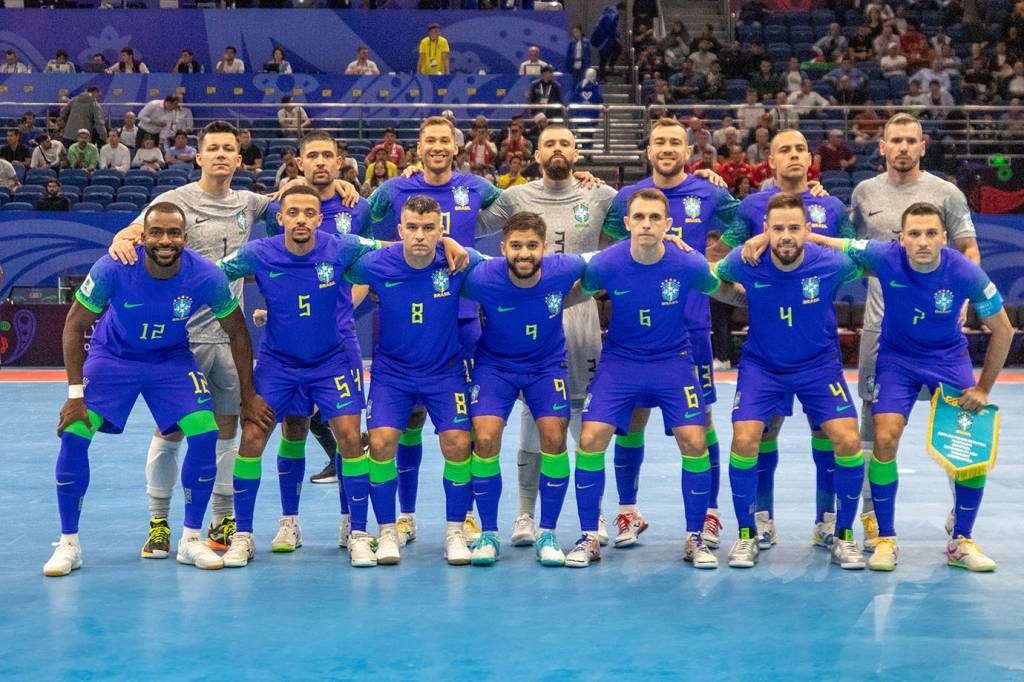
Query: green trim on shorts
(485,467)
(291,449)
(356,466)
(697,465)
(382,472)
(250,468)
(555,465)
(882,473)
(411,437)
(198,422)
(854,460)
(83,429)
(768,445)
(741,462)
(822,444)
(633,439)
(458,472)
(227,311)
(589,461)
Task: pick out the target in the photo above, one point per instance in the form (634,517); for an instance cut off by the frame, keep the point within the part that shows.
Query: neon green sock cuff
(976,482)
(854,460)
(697,465)
(382,472)
(195,423)
(633,439)
(357,466)
(458,472)
(250,468)
(711,436)
(84,430)
(882,473)
(485,467)
(292,449)
(554,465)
(589,461)
(411,437)
(768,446)
(741,462)
(822,444)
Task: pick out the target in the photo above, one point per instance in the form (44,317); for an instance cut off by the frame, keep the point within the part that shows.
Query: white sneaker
(965,553)
(241,551)
(870,524)
(712,533)
(722,365)
(847,555)
(193,550)
(885,556)
(696,552)
(289,535)
(387,547)
(602,530)
(524,531)
(344,529)
(456,551)
(824,530)
(744,553)
(486,550)
(66,558)
(586,551)
(547,550)
(766,535)
(360,549)
(405,526)
(630,526)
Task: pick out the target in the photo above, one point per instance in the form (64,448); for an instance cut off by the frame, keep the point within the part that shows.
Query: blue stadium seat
(775,34)
(823,88)
(90,206)
(843,194)
(798,18)
(71,191)
(897,86)
(19,170)
(878,90)
(779,52)
(138,199)
(748,34)
(145,180)
(4,198)
(823,17)
(122,207)
(29,193)
(801,34)
(775,19)
(171,181)
(280,145)
(853,17)
(862,175)
(267,177)
(39,176)
(111,181)
(194,175)
(827,176)
(934,18)
(241,183)
(804,51)
(18,206)
(244,174)
(109,172)
(871,69)
(172,173)
(98,193)
(6,193)
(157,191)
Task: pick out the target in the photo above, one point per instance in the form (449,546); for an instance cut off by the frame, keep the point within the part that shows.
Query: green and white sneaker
(548,551)
(241,552)
(158,544)
(965,553)
(744,551)
(486,549)
(846,554)
(289,535)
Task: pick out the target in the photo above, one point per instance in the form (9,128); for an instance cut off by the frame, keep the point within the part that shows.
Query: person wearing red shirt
(392,151)
(735,166)
(834,154)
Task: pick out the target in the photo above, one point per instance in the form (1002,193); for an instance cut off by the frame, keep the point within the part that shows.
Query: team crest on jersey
(461,196)
(817,214)
(811,287)
(441,283)
(943,301)
(243,226)
(581,214)
(669,291)
(692,207)
(325,273)
(474,393)
(554,303)
(343,223)
(736,401)
(182,307)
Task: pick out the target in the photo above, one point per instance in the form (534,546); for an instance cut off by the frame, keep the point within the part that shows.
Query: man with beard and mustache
(140,346)
(792,350)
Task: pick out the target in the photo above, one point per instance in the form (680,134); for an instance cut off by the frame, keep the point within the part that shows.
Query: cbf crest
(581,214)
(343,223)
(692,207)
(669,291)
(243,225)
(965,420)
(441,283)
(811,287)
(461,196)
(182,307)
(817,214)
(943,301)
(554,303)
(325,273)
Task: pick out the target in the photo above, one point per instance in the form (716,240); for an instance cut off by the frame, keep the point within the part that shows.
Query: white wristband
(76,391)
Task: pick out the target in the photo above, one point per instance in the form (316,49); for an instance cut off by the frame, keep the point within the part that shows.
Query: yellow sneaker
(471,528)
(965,553)
(885,556)
(870,530)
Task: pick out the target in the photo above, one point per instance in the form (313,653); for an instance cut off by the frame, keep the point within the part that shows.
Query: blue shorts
(445,397)
(620,385)
(172,388)
(469,334)
(704,360)
(495,391)
(293,391)
(355,361)
(761,392)
(898,383)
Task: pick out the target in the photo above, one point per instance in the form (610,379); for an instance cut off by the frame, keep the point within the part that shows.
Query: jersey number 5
(304,306)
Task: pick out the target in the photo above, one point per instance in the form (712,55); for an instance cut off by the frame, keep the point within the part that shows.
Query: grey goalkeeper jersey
(216,226)
(877,206)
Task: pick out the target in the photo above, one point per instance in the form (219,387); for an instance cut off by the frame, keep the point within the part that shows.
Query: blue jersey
(922,309)
(303,305)
(827,216)
(146,316)
(522,330)
(792,319)
(695,206)
(648,318)
(419,310)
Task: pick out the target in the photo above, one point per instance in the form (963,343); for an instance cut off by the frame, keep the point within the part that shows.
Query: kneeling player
(141,347)
(792,350)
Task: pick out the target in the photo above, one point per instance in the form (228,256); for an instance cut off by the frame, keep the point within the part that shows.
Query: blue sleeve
(474,278)
(246,261)
(592,282)
(270,220)
(867,253)
(361,218)
(218,295)
(739,230)
(475,258)
(704,280)
(359,272)
(981,290)
(846,228)
(850,270)
(488,192)
(615,218)
(728,269)
(352,248)
(98,287)
(380,205)
(726,209)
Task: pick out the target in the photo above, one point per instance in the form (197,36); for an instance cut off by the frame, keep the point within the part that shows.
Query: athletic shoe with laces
(387,547)
(712,533)
(824,530)
(846,554)
(744,551)
(456,551)
(630,525)
(241,551)
(870,524)
(964,553)
(524,531)
(193,551)
(696,552)
(406,528)
(66,557)
(766,534)
(360,549)
(158,544)
(602,530)
(547,550)
(344,529)
(586,551)
(327,475)
(219,536)
(885,556)
(486,549)
(289,535)
(950,523)
(471,528)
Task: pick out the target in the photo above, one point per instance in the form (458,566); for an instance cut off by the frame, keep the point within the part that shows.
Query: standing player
(141,347)
(646,361)
(789,160)
(921,345)
(792,350)
(418,359)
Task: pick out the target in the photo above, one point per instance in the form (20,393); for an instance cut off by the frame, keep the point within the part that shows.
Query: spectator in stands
(940,102)
(277,63)
(533,64)
(687,84)
(793,77)
(846,68)
(707,33)
(605,38)
(760,149)
(861,45)
(181,119)
(148,157)
(350,174)
(1001,63)
(115,154)
(344,160)
(28,128)
(807,102)
(292,119)
(156,117)
(12,65)
(846,94)
(83,153)
(1014,87)
(1013,126)
(180,151)
(977,80)
(289,171)
(52,200)
(59,64)
(388,150)
(287,158)
(766,82)
(129,131)
(940,40)
(705,159)
(914,46)
(733,60)
(362,65)
(481,149)
(675,45)
(8,175)
(749,115)
(412,157)
(128,64)
(252,157)
(935,72)
(434,53)
(230,62)
(187,64)
(47,153)
(833,154)
(514,175)
(718,137)
(588,91)
(577,56)
(15,150)
(97,65)
(742,188)
(784,115)
(702,57)
(84,111)
(893,63)
(735,166)
(753,13)
(886,39)
(460,138)
(545,90)
(714,84)
(643,37)
(915,100)
(867,125)
(881,7)
(377,172)
(515,142)
(951,62)
(651,63)
(831,44)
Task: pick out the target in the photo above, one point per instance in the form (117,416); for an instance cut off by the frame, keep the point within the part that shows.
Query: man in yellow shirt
(433,53)
(514,176)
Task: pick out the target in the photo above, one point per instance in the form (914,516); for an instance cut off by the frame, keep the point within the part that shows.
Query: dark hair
(92,88)
(42,137)
(920,208)
(232,48)
(315,136)
(128,51)
(421,204)
(287,99)
(392,131)
(62,53)
(651,194)
(218,127)
(525,221)
(298,189)
(784,200)
(188,52)
(163,207)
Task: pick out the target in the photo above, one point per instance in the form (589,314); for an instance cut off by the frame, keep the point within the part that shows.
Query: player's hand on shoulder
(456,255)
(123,251)
(711,176)
(678,243)
(754,248)
(349,193)
(72,411)
(587,179)
(973,399)
(259,317)
(410,171)
(816,189)
(256,410)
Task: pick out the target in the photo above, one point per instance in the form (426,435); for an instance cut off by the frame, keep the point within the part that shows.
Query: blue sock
(767,462)
(487,489)
(696,484)
(629,455)
(341,483)
(291,469)
(884,483)
(357,487)
(823,453)
(716,470)
(248,471)
(589,488)
(72,474)
(472,498)
(383,486)
(968,499)
(554,484)
(197,474)
(457,487)
(743,481)
(408,459)
(849,480)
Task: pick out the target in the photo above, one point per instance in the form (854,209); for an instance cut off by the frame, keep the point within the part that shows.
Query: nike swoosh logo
(388,285)
(342,406)
(556,408)
(204,400)
(133,305)
(896,285)
(239,492)
(272,275)
(459,420)
(205,480)
(873,213)
(459,485)
(584,487)
(502,309)
(359,499)
(843,408)
(616,292)
(555,485)
(691,415)
(63,483)
(201,221)
(406,470)
(761,285)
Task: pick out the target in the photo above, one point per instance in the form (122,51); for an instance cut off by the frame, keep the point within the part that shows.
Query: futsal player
(792,350)
(140,346)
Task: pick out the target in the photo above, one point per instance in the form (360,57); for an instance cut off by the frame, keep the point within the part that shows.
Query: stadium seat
(194,175)
(71,192)
(17,206)
(775,34)
(801,34)
(171,181)
(157,191)
(897,86)
(29,193)
(4,198)
(748,34)
(146,181)
(834,175)
(804,51)
(241,183)
(853,17)
(110,181)
(823,17)
(779,52)
(6,193)
(798,18)
(98,193)
(89,206)
(878,90)
(862,175)
(137,199)
(843,194)
(77,176)
(39,176)
(775,19)
(122,207)
(823,88)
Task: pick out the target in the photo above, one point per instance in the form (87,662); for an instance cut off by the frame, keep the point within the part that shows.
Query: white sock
(627,509)
(592,534)
(387,526)
(187,533)
(453,526)
(69,538)
(221,506)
